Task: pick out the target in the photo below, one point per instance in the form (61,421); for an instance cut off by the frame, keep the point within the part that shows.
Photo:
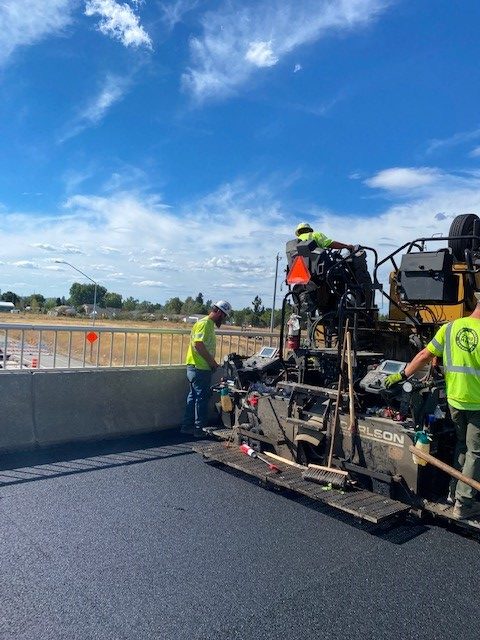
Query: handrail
(65,346)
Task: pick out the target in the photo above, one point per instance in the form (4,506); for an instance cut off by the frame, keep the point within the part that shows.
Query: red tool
(248,451)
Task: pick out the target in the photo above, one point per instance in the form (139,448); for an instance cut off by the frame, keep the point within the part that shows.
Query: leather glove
(394,378)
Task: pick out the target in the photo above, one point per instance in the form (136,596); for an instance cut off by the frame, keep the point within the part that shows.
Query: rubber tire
(463,226)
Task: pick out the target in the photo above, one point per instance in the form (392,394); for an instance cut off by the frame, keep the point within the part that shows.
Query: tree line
(257,315)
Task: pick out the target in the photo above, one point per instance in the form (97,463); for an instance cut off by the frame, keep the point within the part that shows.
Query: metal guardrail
(27,346)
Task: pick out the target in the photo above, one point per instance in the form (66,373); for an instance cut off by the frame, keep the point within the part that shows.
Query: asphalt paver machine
(311,402)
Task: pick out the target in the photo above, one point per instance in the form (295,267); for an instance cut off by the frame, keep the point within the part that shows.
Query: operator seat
(352,274)
(316,294)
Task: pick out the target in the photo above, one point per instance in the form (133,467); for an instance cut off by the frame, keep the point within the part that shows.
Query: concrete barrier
(44,407)
(96,403)
(17,410)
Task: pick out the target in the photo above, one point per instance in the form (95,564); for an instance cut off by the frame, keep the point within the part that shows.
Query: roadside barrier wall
(46,407)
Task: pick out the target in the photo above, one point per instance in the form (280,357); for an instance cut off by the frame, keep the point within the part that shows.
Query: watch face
(407,387)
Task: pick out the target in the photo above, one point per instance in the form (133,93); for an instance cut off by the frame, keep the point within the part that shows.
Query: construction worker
(458,343)
(305,232)
(201,364)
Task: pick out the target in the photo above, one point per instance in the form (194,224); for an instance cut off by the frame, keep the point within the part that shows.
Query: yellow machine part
(437,314)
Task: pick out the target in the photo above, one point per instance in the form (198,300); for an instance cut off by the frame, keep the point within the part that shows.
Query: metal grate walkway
(359,503)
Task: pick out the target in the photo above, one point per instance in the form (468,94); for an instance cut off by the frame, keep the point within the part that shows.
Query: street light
(272,317)
(88,278)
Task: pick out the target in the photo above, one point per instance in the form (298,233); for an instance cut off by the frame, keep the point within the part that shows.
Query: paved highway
(140,539)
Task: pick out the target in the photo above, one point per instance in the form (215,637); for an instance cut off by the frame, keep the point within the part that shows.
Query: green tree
(81,294)
(36,302)
(50,303)
(258,310)
(257,305)
(130,304)
(146,306)
(113,300)
(174,305)
(189,306)
(10,296)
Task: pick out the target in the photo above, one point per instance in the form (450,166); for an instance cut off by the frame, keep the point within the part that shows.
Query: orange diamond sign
(298,274)
(91,336)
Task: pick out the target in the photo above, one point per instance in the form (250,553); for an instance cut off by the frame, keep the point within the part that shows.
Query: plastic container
(225,400)
(422,442)
(293,335)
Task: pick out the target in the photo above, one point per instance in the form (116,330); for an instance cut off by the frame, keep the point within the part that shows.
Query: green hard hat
(302,227)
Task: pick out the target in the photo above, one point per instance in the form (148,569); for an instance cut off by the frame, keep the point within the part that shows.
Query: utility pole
(272,318)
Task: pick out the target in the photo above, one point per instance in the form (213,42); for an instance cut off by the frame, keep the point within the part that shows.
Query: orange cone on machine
(299,273)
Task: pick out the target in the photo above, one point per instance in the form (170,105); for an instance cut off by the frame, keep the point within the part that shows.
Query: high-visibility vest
(319,237)
(458,342)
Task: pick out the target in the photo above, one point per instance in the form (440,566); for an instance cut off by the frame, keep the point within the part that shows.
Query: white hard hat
(303,227)
(224,306)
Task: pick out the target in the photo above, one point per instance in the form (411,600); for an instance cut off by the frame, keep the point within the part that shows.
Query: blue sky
(167,148)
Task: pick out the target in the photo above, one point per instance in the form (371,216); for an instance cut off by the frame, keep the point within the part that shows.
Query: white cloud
(71,249)
(150,283)
(403,178)
(297,68)
(237,40)
(236,265)
(52,267)
(26,22)
(247,226)
(25,264)
(261,54)
(63,248)
(119,21)
(108,250)
(453,141)
(475,153)
(112,91)
(173,12)
(45,247)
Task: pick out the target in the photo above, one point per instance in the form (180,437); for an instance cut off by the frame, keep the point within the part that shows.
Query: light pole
(272,317)
(91,280)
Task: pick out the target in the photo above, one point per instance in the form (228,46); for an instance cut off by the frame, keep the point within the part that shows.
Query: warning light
(91,336)
(298,274)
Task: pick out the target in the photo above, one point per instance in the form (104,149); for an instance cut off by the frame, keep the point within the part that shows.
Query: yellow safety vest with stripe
(458,342)
(319,237)
(202,331)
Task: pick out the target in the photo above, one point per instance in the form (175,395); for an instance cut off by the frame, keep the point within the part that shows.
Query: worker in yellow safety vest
(305,232)
(201,364)
(458,343)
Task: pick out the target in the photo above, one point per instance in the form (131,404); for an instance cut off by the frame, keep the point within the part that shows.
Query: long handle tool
(331,475)
(444,467)
(248,451)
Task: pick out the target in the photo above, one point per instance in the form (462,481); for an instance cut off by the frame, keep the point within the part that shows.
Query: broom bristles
(325,475)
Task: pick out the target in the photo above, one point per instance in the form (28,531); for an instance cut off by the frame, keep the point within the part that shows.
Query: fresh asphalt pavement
(140,539)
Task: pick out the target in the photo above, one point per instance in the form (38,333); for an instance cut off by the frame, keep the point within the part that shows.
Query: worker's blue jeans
(196,412)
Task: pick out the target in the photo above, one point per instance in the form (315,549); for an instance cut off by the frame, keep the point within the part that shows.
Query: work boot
(199,433)
(466,512)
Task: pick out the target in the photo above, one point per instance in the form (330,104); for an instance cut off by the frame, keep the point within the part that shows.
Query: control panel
(262,358)
(373,382)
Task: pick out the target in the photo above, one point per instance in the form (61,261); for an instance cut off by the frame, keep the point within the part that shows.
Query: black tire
(463,225)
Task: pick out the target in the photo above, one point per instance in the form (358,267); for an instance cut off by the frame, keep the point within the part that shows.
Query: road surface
(140,539)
